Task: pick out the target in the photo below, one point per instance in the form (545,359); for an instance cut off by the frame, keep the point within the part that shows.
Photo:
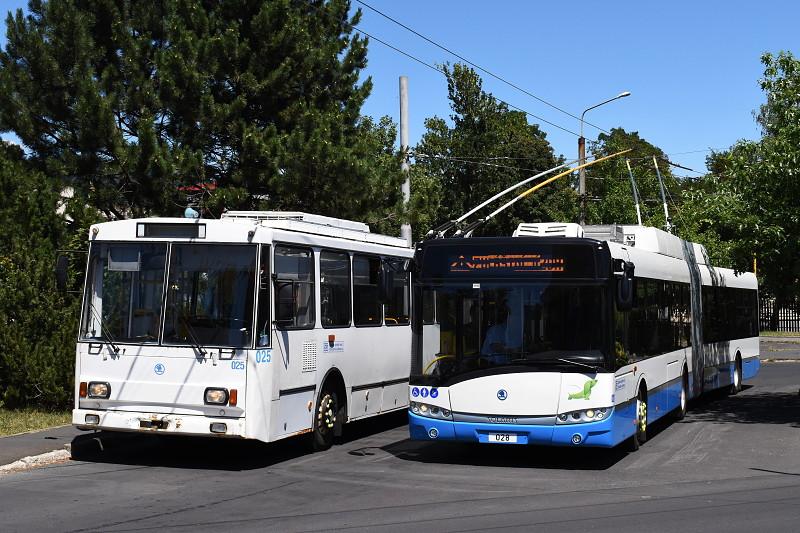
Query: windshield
(499,325)
(124,292)
(210,296)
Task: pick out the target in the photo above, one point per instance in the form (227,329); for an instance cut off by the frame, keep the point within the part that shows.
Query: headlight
(99,389)
(216,396)
(431,411)
(587,415)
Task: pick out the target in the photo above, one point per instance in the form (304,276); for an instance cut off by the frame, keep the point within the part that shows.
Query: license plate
(502,437)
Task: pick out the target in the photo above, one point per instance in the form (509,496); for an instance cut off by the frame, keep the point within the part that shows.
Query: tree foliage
(750,203)
(609,188)
(37,325)
(129,101)
(485,148)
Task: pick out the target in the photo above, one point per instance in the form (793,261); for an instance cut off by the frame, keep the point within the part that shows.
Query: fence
(786,319)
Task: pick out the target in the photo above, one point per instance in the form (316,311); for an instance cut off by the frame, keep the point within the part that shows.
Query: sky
(692,67)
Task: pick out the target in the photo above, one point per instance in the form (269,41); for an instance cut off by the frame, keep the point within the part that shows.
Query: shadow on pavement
(209,453)
(747,408)
(506,456)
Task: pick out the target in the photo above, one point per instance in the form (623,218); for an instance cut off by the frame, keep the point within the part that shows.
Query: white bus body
(584,370)
(279,307)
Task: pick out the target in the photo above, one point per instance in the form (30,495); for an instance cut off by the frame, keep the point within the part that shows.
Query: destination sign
(520,262)
(482,259)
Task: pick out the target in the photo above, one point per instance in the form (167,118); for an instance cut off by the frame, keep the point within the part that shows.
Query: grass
(14,421)
(780,334)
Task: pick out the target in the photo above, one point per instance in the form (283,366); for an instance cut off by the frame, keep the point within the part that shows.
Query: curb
(35,461)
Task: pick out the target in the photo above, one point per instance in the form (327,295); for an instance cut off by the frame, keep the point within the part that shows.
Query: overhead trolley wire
(442,71)
(482,69)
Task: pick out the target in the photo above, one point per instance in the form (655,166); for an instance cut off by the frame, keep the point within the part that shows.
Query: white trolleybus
(259,325)
(554,336)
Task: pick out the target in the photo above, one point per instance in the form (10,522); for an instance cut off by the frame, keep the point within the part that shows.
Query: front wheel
(325,420)
(640,434)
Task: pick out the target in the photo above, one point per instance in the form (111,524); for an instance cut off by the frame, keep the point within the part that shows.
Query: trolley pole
(405,229)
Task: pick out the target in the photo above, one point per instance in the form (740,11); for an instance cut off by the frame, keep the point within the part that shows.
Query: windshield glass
(498,325)
(124,292)
(210,296)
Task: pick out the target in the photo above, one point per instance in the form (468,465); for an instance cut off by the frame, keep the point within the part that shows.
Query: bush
(37,324)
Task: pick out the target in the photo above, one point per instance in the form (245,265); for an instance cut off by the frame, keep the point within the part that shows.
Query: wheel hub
(326,415)
(642,413)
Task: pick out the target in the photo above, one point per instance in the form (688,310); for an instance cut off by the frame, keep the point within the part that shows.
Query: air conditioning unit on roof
(548,229)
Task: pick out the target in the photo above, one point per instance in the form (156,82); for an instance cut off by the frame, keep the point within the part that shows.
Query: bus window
(124,292)
(366,307)
(334,288)
(211,295)
(262,335)
(398,307)
(294,287)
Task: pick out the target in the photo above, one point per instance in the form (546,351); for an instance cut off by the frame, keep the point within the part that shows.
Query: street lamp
(582,156)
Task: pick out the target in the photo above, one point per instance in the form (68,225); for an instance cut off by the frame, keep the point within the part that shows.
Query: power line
(460,160)
(442,71)
(467,61)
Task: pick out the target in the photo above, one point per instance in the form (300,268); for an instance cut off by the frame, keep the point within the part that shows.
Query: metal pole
(405,229)
(582,157)
(582,175)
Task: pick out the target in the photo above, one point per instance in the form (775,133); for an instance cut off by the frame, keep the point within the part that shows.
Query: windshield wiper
(578,363)
(192,334)
(551,360)
(103,331)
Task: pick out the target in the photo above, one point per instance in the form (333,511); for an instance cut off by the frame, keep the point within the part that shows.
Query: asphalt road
(731,465)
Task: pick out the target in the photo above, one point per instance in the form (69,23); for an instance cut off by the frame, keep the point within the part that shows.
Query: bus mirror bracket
(623,272)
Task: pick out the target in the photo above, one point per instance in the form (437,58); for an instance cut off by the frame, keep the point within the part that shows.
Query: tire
(680,412)
(325,419)
(736,386)
(639,436)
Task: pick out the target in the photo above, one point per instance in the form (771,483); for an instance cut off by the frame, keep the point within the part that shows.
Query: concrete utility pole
(405,229)
(582,157)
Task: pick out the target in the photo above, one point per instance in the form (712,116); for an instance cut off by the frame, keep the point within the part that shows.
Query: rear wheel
(736,386)
(680,412)
(325,419)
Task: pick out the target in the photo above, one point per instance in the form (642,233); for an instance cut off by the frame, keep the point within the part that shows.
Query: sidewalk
(780,348)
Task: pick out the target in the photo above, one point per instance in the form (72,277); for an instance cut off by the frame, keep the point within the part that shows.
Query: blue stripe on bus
(606,433)
(750,367)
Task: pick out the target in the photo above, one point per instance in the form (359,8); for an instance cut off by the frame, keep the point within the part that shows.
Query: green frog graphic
(586,392)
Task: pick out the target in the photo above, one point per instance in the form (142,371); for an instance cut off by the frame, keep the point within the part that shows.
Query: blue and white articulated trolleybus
(259,325)
(569,337)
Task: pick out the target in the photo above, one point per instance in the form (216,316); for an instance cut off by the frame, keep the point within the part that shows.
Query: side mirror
(62,263)
(623,272)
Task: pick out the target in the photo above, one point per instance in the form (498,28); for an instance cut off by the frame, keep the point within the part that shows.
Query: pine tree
(256,100)
(38,326)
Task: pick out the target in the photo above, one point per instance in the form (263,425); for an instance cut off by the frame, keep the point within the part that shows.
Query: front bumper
(141,422)
(604,434)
